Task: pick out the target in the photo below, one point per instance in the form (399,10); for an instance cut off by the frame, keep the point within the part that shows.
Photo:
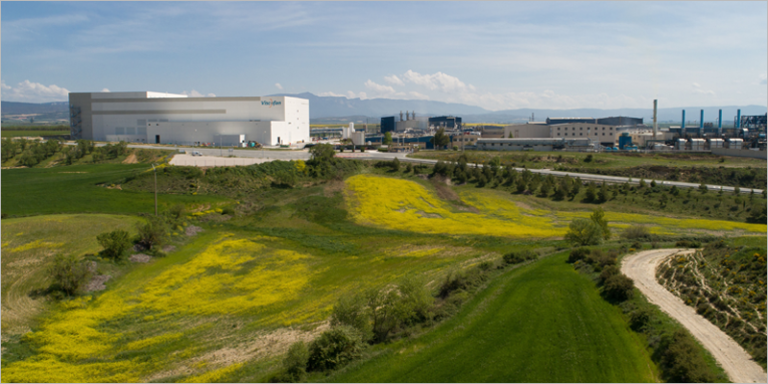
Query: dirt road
(641,267)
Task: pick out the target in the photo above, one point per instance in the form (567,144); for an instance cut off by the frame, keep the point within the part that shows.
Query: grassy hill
(540,323)
(225,304)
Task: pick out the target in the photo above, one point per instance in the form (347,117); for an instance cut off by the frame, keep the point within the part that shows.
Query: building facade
(162,118)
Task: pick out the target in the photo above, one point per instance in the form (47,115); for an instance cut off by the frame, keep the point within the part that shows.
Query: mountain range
(338,109)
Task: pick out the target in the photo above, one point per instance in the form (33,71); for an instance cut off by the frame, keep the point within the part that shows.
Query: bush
(458,279)
(351,310)
(334,348)
(584,232)
(688,244)
(618,288)
(381,308)
(415,302)
(639,318)
(153,233)
(115,243)
(683,362)
(69,274)
(578,254)
(395,164)
(634,232)
(295,363)
(519,257)
(607,273)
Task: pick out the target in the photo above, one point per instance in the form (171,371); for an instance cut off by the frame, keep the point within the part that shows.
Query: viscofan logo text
(270,103)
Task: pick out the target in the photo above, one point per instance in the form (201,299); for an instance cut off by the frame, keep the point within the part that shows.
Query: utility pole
(155,170)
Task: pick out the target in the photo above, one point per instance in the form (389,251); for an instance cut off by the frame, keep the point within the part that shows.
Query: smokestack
(401,115)
(655,124)
(701,123)
(683,126)
(720,122)
(738,118)
(413,115)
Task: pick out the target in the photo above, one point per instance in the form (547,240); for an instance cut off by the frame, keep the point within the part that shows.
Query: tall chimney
(401,115)
(738,118)
(683,126)
(655,124)
(720,123)
(701,123)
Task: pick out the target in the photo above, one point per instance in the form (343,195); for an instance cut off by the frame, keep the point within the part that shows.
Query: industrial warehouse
(164,118)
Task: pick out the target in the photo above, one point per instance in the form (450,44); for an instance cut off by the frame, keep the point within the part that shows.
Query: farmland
(225,303)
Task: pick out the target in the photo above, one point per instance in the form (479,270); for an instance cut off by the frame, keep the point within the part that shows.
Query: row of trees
(32,151)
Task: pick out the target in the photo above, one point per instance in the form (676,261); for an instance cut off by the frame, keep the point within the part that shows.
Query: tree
(642,183)
(440,139)
(618,287)
(674,191)
(381,309)
(154,232)
(115,243)
(703,188)
(351,310)
(576,187)
(559,192)
(395,164)
(584,232)
(737,191)
(602,194)
(591,194)
(295,362)
(663,200)
(598,217)
(387,140)
(68,273)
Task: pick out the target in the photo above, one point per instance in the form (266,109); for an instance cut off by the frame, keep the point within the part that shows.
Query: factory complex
(164,118)
(176,119)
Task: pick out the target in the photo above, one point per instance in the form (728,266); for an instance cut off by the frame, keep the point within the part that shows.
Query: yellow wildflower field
(409,206)
(230,276)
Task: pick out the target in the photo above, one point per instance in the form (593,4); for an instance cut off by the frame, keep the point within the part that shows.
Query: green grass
(28,246)
(540,323)
(76,189)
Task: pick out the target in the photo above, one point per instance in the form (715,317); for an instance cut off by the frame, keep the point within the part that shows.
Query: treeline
(742,177)
(32,152)
(674,350)
(380,315)
(36,128)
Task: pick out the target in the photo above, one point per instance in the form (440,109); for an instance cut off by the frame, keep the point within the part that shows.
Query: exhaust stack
(655,124)
(683,126)
(720,123)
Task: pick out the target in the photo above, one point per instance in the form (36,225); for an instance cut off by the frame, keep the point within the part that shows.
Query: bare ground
(641,267)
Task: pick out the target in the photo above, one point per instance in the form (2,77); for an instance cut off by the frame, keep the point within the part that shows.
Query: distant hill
(14,108)
(333,109)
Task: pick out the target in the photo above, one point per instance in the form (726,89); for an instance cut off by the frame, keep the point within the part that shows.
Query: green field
(33,133)
(225,304)
(540,323)
(75,189)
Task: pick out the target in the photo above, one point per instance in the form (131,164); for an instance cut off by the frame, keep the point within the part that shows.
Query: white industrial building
(164,118)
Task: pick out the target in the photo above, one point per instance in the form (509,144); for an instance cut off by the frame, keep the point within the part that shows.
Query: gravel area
(192,230)
(169,248)
(140,258)
(737,363)
(97,283)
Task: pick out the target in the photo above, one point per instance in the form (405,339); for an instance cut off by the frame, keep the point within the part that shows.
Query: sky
(495,55)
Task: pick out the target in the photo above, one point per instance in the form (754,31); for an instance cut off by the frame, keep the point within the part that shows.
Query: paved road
(737,363)
(375,155)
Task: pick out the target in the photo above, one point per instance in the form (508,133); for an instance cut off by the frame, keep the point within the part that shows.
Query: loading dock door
(157,139)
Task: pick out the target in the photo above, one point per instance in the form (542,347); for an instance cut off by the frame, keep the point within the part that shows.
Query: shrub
(177,212)
(153,233)
(458,279)
(578,254)
(607,273)
(683,361)
(584,232)
(634,232)
(598,217)
(334,348)
(381,308)
(68,273)
(115,243)
(295,362)
(639,318)
(284,179)
(618,288)
(688,244)
(351,310)
(519,257)
(228,211)
(415,302)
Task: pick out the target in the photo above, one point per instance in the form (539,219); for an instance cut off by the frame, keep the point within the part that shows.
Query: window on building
(559,134)
(603,133)
(558,128)
(580,134)
(611,128)
(581,128)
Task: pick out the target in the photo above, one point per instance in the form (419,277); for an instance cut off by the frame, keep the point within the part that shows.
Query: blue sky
(496,55)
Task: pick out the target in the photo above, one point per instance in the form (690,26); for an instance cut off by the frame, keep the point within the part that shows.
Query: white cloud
(27,91)
(195,93)
(394,80)
(437,81)
(352,95)
(418,96)
(3,86)
(334,94)
(280,87)
(696,85)
(378,88)
(106,90)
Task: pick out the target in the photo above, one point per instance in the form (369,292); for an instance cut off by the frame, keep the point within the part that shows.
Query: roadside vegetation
(725,281)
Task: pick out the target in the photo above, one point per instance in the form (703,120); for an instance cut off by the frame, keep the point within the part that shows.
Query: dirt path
(641,267)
